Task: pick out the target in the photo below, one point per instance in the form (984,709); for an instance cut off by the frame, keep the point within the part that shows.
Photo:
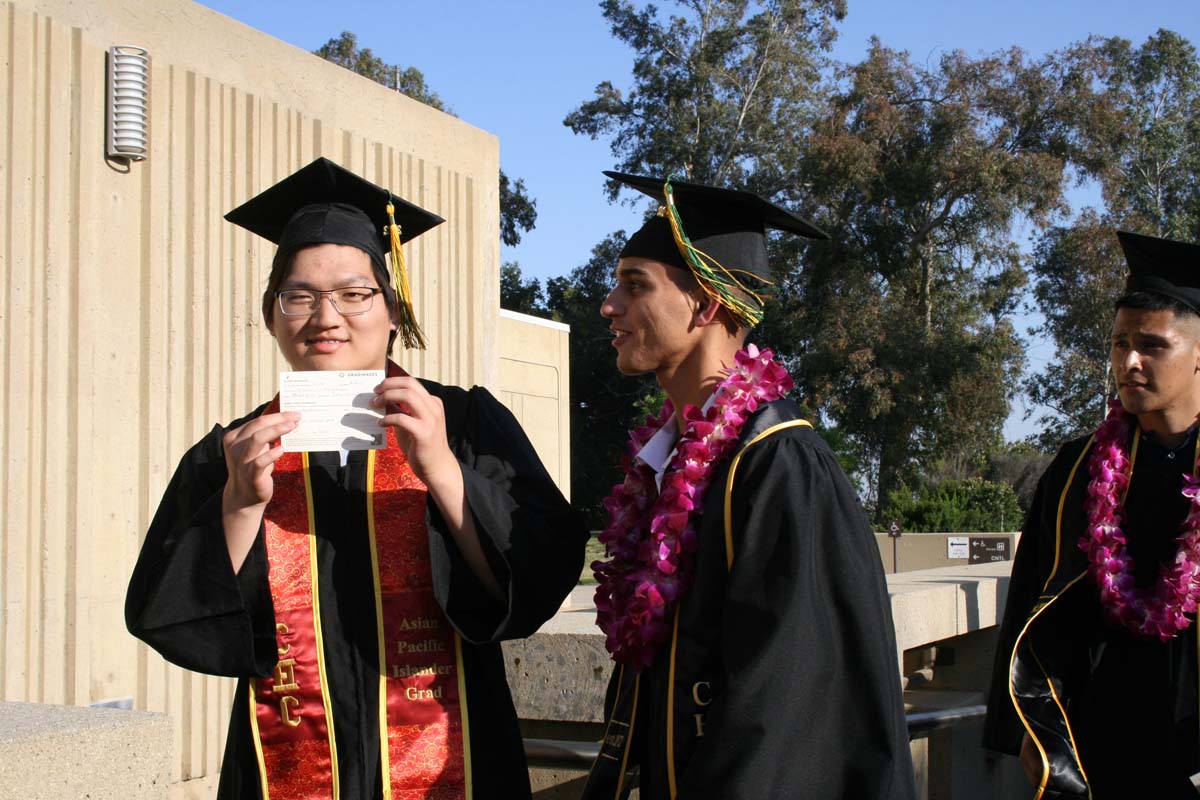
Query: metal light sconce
(128,103)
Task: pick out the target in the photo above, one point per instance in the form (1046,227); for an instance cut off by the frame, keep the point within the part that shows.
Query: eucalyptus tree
(903,325)
(518,211)
(1135,131)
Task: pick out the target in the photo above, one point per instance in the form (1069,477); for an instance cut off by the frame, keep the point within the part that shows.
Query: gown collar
(658,451)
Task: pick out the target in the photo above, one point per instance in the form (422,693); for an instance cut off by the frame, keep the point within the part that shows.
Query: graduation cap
(325,203)
(718,234)
(1162,266)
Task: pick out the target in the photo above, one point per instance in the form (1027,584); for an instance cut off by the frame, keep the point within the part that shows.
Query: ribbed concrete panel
(130,315)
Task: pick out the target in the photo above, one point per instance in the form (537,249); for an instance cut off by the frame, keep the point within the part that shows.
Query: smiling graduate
(359,598)
(742,595)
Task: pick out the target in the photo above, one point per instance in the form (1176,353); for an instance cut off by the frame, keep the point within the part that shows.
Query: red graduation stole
(423,714)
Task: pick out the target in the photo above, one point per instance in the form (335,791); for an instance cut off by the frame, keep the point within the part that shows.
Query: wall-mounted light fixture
(128,103)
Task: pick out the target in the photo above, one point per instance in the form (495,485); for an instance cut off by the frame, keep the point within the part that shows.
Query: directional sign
(986,549)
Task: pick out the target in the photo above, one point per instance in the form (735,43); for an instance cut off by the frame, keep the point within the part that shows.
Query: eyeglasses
(347,301)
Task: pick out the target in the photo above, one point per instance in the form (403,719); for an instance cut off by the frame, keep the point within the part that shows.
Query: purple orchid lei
(1160,609)
(651,536)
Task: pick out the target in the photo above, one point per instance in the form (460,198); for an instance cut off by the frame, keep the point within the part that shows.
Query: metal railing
(923,723)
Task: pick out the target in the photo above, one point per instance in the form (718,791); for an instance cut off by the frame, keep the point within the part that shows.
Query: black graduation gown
(185,601)
(1129,702)
(781,679)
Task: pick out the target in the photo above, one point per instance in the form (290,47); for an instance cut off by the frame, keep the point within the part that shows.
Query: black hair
(1153,301)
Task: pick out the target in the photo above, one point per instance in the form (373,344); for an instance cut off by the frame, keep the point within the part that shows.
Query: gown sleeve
(184,599)
(532,538)
(812,706)
(1002,730)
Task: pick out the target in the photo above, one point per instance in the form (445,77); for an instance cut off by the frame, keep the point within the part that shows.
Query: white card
(335,410)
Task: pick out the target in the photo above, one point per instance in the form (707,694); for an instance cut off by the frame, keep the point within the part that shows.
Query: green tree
(1078,273)
(1136,131)
(344,51)
(902,324)
(955,506)
(519,294)
(518,211)
(1019,465)
(604,403)
(722,93)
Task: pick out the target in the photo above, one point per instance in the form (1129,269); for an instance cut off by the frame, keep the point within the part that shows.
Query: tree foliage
(1136,131)
(1019,465)
(344,51)
(518,211)
(988,490)
(901,326)
(900,330)
(722,92)
(1078,273)
(604,403)
(1139,131)
(519,294)
(962,506)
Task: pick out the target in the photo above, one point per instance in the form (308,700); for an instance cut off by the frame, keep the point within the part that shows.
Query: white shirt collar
(660,449)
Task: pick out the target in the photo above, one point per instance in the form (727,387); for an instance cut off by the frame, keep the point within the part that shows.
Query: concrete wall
(918,551)
(129,315)
(535,384)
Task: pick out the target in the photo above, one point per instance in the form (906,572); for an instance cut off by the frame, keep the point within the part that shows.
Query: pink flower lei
(651,537)
(1161,608)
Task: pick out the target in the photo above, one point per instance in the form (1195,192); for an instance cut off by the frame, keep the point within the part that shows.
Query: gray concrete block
(56,752)
(561,672)
(558,676)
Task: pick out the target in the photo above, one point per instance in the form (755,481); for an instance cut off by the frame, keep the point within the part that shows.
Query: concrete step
(50,752)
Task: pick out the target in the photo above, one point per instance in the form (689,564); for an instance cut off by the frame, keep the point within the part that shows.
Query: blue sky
(517,68)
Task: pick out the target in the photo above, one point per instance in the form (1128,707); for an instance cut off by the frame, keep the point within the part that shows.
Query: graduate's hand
(250,460)
(419,420)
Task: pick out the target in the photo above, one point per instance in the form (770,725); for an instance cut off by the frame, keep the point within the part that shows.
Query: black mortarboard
(1162,266)
(721,235)
(325,203)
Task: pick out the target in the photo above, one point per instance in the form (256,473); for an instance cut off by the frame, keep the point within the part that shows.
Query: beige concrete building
(535,384)
(129,318)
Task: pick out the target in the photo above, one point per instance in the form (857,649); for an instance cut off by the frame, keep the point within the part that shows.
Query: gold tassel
(718,282)
(410,331)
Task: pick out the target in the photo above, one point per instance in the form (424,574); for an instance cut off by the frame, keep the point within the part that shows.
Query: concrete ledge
(935,604)
(561,672)
(56,752)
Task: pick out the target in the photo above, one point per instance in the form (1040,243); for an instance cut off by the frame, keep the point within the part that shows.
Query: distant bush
(968,505)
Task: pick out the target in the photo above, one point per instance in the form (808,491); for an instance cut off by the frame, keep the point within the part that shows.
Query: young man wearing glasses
(359,597)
